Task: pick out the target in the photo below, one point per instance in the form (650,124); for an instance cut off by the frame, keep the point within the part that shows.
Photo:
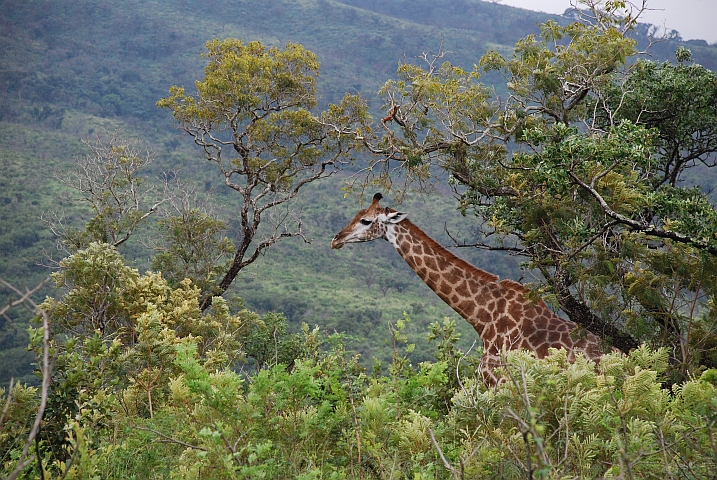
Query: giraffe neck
(500,311)
(456,281)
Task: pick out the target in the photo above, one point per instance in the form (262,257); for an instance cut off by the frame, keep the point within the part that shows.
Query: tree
(252,117)
(576,171)
(115,334)
(108,179)
(678,101)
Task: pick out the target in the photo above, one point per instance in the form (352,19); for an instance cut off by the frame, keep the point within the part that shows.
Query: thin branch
(590,241)
(171,439)
(443,458)
(24,297)
(483,246)
(23,461)
(130,231)
(7,403)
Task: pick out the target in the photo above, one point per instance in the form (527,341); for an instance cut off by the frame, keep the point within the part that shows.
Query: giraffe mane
(513,285)
(518,287)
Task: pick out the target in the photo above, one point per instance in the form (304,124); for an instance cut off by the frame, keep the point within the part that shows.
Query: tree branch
(24,297)
(642,227)
(443,458)
(23,461)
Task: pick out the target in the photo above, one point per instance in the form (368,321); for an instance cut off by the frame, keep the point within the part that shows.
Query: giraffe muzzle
(337,243)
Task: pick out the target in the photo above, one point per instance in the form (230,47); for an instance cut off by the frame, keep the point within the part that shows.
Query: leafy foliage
(193,246)
(169,404)
(677,102)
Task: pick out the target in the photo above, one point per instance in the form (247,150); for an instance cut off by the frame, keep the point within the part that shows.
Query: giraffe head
(368,224)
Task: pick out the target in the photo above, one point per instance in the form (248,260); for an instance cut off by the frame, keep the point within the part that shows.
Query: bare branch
(483,246)
(7,403)
(24,297)
(458,376)
(107,180)
(23,461)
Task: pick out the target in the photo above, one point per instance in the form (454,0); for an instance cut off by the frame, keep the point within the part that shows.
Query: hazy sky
(694,19)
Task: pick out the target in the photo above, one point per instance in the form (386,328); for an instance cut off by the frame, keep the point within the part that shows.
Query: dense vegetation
(72,71)
(161,401)
(581,167)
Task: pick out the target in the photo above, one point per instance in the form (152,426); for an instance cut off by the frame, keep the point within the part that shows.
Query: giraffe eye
(365,221)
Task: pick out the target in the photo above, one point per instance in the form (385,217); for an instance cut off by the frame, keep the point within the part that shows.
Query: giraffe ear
(395,217)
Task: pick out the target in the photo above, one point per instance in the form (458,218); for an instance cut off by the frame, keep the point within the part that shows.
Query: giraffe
(499,310)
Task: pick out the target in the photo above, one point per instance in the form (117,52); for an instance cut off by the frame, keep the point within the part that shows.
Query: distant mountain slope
(505,25)
(116,59)
(78,68)
(496,23)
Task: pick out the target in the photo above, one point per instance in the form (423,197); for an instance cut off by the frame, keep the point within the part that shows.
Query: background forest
(196,326)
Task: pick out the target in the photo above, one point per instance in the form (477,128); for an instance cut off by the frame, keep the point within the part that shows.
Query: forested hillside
(574,164)
(73,71)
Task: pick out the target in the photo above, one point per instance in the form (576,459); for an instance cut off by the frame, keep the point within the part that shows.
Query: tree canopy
(252,117)
(582,170)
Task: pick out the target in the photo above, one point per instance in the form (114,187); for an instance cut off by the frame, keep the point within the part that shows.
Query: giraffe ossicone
(499,310)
